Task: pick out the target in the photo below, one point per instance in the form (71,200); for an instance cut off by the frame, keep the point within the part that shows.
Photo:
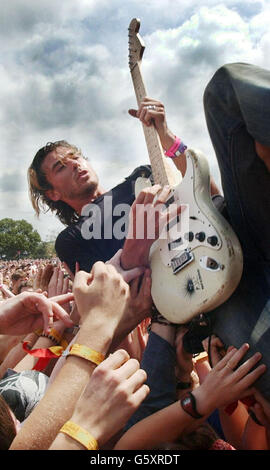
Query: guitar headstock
(136,45)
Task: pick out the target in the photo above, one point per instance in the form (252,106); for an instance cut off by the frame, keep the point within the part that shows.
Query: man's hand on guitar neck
(153,112)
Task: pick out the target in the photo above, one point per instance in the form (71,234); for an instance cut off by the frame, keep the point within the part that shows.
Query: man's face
(71,176)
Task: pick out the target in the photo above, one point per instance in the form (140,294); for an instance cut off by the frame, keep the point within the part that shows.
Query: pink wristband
(171,151)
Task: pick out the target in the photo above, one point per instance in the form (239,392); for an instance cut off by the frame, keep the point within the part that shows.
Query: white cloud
(64,74)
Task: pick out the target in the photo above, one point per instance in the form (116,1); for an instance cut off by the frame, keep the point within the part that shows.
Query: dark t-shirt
(107,233)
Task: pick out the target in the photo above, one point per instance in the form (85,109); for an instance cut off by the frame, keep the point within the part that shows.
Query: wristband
(178,148)
(79,434)
(188,403)
(86,353)
(38,332)
(53,335)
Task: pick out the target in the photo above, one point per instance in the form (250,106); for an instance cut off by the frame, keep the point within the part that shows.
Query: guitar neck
(153,144)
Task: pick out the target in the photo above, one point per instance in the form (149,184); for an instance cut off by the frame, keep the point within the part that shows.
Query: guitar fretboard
(153,144)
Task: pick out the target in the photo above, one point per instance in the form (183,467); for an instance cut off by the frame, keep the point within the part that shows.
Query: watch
(188,403)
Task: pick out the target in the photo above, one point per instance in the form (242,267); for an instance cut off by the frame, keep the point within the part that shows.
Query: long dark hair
(39,185)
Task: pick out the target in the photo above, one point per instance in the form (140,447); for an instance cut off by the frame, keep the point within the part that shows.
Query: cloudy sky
(64,75)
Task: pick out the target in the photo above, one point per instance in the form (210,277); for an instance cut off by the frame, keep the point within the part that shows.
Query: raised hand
(101,292)
(121,389)
(152,112)
(30,311)
(228,381)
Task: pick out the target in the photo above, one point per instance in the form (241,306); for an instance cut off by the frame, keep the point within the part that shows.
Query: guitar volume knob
(189,236)
(200,236)
(213,241)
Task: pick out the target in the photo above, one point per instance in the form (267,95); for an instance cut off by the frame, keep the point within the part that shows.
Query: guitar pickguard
(197,267)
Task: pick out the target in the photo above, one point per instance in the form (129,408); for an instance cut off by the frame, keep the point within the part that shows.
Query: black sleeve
(71,250)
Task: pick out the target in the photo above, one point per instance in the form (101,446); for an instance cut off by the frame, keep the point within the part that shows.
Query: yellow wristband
(79,434)
(55,335)
(38,332)
(86,353)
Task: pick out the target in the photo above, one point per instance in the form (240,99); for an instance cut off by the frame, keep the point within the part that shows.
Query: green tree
(19,239)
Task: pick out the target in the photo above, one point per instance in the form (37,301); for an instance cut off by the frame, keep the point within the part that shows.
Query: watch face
(187,406)
(186,401)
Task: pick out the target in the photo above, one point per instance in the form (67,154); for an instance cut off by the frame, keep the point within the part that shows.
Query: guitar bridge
(179,262)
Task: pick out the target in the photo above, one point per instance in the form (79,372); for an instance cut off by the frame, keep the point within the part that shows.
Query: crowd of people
(119,402)
(87,361)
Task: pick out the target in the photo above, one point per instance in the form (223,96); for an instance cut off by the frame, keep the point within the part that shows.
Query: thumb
(133,112)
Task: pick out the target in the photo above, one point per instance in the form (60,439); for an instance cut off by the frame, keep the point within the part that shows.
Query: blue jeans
(159,360)
(237,109)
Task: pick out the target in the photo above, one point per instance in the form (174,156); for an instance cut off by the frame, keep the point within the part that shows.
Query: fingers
(62,299)
(128,275)
(141,285)
(82,281)
(127,369)
(115,260)
(225,361)
(149,110)
(65,286)
(68,271)
(251,377)
(249,364)
(136,380)
(115,360)
(60,281)
(260,414)
(147,195)
(61,314)
(131,274)
(242,373)
(140,395)
(235,356)
(46,309)
(128,372)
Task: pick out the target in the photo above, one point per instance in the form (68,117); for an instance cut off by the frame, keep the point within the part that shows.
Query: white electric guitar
(199,264)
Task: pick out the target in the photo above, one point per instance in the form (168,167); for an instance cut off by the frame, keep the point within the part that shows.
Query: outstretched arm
(224,384)
(101,297)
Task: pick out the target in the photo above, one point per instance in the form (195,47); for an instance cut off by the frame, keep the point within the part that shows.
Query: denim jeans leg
(159,360)
(237,109)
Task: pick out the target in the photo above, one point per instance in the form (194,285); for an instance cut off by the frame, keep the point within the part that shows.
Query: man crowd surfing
(106,369)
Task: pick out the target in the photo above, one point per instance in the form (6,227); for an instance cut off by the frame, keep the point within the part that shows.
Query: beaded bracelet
(79,434)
